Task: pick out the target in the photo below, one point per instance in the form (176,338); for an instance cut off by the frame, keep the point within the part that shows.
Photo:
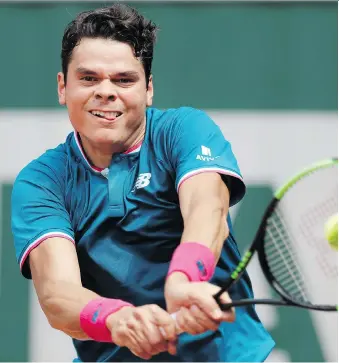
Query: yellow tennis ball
(331,231)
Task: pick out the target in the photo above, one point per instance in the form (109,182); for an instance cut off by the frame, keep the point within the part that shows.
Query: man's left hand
(195,307)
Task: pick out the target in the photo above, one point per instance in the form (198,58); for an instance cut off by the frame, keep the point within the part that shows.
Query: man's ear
(150,90)
(61,88)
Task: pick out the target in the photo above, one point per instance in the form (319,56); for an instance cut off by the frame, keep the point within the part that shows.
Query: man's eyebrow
(127,74)
(86,71)
(83,70)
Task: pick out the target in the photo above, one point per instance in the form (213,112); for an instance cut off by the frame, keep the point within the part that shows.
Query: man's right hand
(146,330)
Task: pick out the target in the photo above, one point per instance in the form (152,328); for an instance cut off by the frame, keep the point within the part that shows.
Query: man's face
(105,92)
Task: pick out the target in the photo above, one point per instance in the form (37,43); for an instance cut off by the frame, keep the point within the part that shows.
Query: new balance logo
(206,154)
(205,151)
(142,181)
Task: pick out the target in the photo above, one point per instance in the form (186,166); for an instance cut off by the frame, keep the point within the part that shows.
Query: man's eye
(88,78)
(124,80)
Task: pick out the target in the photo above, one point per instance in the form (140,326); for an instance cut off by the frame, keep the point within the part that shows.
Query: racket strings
(324,254)
(297,253)
(282,259)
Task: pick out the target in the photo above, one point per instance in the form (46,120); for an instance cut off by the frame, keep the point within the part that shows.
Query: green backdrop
(280,56)
(216,55)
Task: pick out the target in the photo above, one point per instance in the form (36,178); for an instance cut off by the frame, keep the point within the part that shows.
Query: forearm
(62,303)
(207,224)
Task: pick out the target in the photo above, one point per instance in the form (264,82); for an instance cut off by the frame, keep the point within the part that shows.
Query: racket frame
(258,246)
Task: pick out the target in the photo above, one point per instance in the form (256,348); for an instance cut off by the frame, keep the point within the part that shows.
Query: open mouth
(108,115)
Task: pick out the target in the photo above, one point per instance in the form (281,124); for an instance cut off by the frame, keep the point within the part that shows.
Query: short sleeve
(38,211)
(197,145)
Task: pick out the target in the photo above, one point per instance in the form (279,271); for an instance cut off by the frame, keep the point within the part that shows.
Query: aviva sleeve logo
(205,151)
(206,154)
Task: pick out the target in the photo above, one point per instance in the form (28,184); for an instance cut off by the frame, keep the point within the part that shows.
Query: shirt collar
(132,150)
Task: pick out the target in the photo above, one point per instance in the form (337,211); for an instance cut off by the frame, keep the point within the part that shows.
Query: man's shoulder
(167,123)
(170,123)
(52,163)
(172,114)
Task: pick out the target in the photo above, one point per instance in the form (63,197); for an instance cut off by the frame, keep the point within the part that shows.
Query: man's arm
(145,330)
(204,202)
(56,276)
(38,208)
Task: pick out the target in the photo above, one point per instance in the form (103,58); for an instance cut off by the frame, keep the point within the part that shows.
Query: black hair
(118,22)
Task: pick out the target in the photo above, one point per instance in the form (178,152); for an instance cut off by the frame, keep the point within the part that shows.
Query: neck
(100,154)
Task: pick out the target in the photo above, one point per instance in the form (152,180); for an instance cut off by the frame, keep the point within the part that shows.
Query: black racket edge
(245,302)
(255,246)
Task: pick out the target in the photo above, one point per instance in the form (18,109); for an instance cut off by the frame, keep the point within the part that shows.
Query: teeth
(98,113)
(107,115)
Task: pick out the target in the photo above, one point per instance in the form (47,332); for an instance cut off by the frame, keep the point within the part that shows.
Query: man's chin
(103,137)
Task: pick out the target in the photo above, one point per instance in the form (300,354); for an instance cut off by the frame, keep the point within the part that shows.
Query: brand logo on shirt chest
(142,181)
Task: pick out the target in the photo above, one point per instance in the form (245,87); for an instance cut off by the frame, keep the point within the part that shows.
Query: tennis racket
(294,255)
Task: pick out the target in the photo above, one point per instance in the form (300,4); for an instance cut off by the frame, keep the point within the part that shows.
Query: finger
(161,347)
(165,323)
(203,319)
(188,323)
(172,348)
(128,340)
(154,337)
(141,354)
(138,350)
(151,332)
(205,300)
(227,315)
(137,332)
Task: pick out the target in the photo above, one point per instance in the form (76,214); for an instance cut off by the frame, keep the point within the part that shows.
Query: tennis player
(127,221)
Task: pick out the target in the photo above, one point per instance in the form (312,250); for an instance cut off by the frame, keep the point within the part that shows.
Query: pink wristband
(93,317)
(193,259)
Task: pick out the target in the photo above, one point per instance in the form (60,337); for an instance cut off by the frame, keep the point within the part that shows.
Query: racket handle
(224,287)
